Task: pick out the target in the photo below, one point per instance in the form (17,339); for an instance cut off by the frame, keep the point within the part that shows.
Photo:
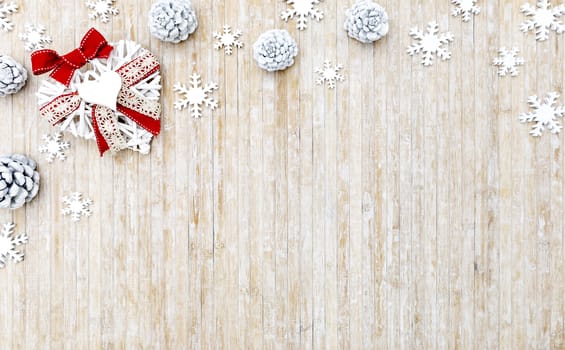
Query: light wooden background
(407,209)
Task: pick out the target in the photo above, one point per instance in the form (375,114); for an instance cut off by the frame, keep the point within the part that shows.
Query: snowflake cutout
(35,37)
(195,95)
(508,62)
(302,9)
(545,114)
(76,206)
(228,40)
(101,9)
(9,243)
(5,10)
(465,8)
(430,43)
(329,74)
(544,18)
(54,147)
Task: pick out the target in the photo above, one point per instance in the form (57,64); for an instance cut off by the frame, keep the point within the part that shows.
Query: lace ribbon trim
(107,122)
(60,108)
(140,68)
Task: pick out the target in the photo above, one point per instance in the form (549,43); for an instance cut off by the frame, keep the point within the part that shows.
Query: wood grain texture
(406,209)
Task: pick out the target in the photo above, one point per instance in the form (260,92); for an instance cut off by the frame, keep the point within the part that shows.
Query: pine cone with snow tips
(366,21)
(13,76)
(19,181)
(172,20)
(275,50)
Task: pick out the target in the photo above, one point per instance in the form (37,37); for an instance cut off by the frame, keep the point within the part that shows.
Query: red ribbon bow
(93,45)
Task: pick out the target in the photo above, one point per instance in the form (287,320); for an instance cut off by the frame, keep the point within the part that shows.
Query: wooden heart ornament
(102,92)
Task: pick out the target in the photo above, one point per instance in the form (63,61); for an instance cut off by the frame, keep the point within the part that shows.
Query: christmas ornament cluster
(110,92)
(175,20)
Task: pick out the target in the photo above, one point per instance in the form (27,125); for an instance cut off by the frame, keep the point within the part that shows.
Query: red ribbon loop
(93,45)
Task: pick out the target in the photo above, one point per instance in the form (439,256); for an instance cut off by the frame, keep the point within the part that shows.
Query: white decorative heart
(102,92)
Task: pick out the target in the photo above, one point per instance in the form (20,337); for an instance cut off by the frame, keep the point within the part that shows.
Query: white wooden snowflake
(543,19)
(34,37)
(508,62)
(228,40)
(54,147)
(9,243)
(465,8)
(429,43)
(76,206)
(545,114)
(329,73)
(5,10)
(101,9)
(195,95)
(302,9)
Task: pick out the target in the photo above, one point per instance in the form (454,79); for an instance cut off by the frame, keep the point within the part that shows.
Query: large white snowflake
(465,8)
(9,243)
(228,40)
(195,95)
(54,147)
(543,19)
(302,9)
(329,73)
(429,43)
(545,114)
(76,206)
(101,9)
(34,37)
(5,10)
(508,62)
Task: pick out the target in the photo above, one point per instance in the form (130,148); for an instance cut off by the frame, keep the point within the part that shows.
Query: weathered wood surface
(407,209)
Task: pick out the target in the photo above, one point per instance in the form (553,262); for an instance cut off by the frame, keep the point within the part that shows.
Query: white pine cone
(275,50)
(172,20)
(13,76)
(19,181)
(366,21)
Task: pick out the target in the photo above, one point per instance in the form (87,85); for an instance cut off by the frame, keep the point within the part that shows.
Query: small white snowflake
(228,40)
(9,243)
(101,9)
(5,10)
(544,18)
(508,62)
(76,206)
(465,8)
(329,73)
(302,9)
(430,43)
(545,114)
(195,95)
(54,147)
(35,37)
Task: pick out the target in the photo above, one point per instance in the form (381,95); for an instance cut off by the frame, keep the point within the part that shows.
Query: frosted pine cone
(275,50)
(13,76)
(366,21)
(19,181)
(172,20)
